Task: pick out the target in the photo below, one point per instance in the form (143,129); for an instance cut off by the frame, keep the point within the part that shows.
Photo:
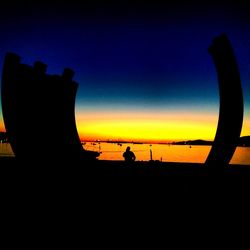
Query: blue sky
(132,56)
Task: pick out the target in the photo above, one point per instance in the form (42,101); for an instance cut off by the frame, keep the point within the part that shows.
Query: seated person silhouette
(128,155)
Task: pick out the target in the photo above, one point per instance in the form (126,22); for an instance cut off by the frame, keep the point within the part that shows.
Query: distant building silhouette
(39,112)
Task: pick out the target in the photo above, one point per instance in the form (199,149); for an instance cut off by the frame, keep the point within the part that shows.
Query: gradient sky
(143,69)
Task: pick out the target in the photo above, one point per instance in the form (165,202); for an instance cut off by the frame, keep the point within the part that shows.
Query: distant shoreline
(244,141)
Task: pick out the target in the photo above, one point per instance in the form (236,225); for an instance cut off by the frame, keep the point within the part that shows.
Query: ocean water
(161,152)
(5,150)
(164,152)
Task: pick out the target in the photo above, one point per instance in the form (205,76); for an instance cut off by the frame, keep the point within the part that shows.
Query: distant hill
(193,142)
(243,141)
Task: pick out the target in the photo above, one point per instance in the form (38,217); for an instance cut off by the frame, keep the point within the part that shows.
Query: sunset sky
(144,71)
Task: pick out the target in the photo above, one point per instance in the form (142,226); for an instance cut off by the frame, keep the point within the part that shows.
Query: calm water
(167,153)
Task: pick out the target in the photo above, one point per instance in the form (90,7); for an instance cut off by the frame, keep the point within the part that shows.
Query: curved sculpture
(38,109)
(39,112)
(231,104)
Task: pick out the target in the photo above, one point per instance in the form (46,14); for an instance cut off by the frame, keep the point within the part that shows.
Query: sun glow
(141,126)
(2,127)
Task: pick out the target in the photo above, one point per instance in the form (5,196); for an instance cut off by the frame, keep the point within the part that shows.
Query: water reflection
(161,152)
(164,152)
(5,149)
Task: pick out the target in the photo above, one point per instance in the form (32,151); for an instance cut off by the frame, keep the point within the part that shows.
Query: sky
(143,69)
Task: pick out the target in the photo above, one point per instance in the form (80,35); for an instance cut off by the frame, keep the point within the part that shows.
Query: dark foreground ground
(92,194)
(117,176)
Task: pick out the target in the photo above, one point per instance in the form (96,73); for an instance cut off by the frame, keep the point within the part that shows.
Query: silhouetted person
(128,155)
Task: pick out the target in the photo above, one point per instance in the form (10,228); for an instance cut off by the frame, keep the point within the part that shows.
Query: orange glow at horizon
(2,127)
(146,126)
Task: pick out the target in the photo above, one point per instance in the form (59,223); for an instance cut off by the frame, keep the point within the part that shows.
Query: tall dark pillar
(231,105)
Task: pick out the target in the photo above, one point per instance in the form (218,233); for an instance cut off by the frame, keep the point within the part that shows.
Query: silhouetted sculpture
(39,112)
(231,105)
(128,155)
